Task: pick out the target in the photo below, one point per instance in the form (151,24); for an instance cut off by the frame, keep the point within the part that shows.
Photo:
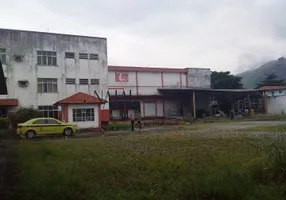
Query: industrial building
(55,73)
(67,77)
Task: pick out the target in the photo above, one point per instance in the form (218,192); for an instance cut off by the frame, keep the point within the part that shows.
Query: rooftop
(81,98)
(49,33)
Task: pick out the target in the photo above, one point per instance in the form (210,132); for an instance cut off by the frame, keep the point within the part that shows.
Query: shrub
(116,126)
(22,115)
(3,123)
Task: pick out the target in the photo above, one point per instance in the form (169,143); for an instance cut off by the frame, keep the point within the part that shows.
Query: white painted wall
(277,105)
(27,43)
(93,124)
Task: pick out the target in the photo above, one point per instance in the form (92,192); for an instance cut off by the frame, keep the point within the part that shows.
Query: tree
(224,80)
(271,80)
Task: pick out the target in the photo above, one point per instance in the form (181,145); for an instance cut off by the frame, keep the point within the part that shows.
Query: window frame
(46,58)
(80,115)
(83,56)
(49,109)
(93,56)
(47,85)
(94,81)
(69,55)
(83,83)
(70,81)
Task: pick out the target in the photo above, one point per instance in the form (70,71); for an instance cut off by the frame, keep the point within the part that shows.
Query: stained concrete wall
(199,78)
(27,43)
(277,105)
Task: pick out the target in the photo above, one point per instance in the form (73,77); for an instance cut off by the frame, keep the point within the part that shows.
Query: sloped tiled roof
(9,102)
(272,87)
(81,98)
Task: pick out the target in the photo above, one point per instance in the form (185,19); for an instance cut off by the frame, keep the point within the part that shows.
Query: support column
(265,102)
(194,104)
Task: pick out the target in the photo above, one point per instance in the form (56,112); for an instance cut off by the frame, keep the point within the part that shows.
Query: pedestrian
(132,119)
(139,124)
(232,114)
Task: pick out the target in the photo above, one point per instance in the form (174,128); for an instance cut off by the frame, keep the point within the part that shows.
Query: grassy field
(276,128)
(173,166)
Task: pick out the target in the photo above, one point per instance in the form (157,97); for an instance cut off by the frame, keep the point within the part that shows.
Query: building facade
(134,90)
(42,69)
(276,99)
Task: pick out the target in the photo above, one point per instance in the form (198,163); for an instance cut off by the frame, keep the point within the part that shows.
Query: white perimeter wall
(276,105)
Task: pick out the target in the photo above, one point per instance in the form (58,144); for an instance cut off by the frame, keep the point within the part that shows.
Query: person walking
(132,119)
(139,124)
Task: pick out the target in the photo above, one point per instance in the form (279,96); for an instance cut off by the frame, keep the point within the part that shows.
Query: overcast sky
(220,34)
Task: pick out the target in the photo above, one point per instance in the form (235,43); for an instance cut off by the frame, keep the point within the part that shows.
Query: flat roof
(50,33)
(210,90)
(150,69)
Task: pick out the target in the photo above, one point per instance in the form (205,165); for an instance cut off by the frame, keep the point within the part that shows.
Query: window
(3,56)
(52,121)
(69,55)
(47,58)
(83,115)
(94,81)
(40,121)
(47,85)
(49,111)
(83,81)
(70,81)
(83,56)
(93,56)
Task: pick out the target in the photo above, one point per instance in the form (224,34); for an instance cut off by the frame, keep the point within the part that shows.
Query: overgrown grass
(274,128)
(171,166)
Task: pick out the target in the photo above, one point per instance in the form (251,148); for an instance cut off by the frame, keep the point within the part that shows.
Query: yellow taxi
(45,126)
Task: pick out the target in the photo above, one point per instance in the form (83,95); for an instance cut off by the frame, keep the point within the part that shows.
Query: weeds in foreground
(153,167)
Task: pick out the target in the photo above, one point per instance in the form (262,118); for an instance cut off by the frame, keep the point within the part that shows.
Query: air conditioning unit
(18,58)
(23,83)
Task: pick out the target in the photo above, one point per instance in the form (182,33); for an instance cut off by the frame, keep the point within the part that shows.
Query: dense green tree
(225,80)
(271,80)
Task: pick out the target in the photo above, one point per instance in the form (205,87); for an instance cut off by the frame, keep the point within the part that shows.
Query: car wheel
(30,134)
(68,132)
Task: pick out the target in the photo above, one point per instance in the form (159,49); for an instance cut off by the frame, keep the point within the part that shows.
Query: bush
(3,123)
(22,115)
(117,126)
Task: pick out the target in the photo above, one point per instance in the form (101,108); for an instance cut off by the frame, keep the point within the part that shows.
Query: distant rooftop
(49,33)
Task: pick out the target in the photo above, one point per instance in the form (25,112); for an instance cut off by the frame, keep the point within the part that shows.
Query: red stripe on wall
(162,79)
(137,85)
(180,79)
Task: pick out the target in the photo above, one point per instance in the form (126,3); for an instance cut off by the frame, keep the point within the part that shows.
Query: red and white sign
(121,77)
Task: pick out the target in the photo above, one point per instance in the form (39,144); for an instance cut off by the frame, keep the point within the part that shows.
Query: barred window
(47,85)
(93,56)
(83,115)
(47,58)
(94,81)
(83,56)
(49,111)
(3,56)
(69,55)
(70,81)
(83,81)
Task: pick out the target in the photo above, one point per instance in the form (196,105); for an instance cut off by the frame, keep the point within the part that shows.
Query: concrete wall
(28,43)
(199,78)
(277,105)
(146,83)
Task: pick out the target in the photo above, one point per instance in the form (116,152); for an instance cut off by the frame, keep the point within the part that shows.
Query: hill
(252,77)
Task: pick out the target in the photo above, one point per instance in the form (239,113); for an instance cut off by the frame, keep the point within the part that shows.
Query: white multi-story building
(43,69)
